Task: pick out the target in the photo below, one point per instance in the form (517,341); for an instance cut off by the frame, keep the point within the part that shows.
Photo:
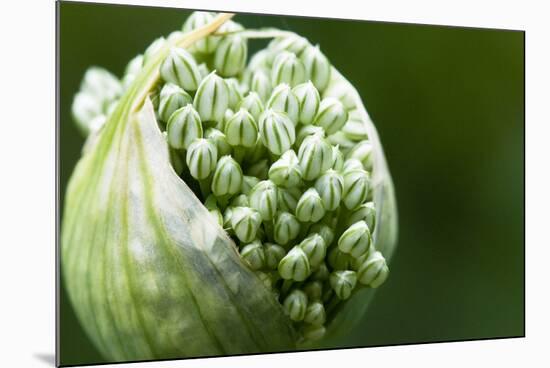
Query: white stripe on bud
(184,126)
(310,206)
(330,186)
(282,99)
(331,115)
(356,240)
(317,66)
(356,188)
(228,177)
(276,131)
(343,283)
(241,129)
(230,56)
(287,68)
(309,100)
(286,228)
(245,223)
(212,98)
(253,104)
(286,171)
(201,158)
(315,156)
(374,271)
(172,97)
(295,305)
(263,198)
(295,265)
(254,255)
(196,20)
(180,68)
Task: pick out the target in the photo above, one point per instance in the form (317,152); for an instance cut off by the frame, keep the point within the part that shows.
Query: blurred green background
(449,106)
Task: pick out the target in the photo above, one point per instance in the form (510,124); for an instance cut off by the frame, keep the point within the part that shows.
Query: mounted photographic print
(245,183)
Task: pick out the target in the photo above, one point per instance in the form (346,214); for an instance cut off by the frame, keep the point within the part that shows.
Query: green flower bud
(134,66)
(315,156)
(241,129)
(203,70)
(216,216)
(273,255)
(288,199)
(315,249)
(228,114)
(305,131)
(220,141)
(260,60)
(331,115)
(363,152)
(356,240)
(324,231)
(259,169)
(235,94)
(263,198)
(212,98)
(253,104)
(211,202)
(196,20)
(286,171)
(261,84)
(248,183)
(287,68)
(342,92)
(229,27)
(228,218)
(240,201)
(330,186)
(101,84)
(321,273)
(343,283)
(201,158)
(172,97)
(276,131)
(184,126)
(245,223)
(313,333)
(293,43)
(309,100)
(313,290)
(286,228)
(310,206)
(180,68)
(295,265)
(282,99)
(365,212)
(317,66)
(374,271)
(295,305)
(315,314)
(352,164)
(339,260)
(337,159)
(230,56)
(84,109)
(228,177)
(152,49)
(342,141)
(254,255)
(355,129)
(356,188)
